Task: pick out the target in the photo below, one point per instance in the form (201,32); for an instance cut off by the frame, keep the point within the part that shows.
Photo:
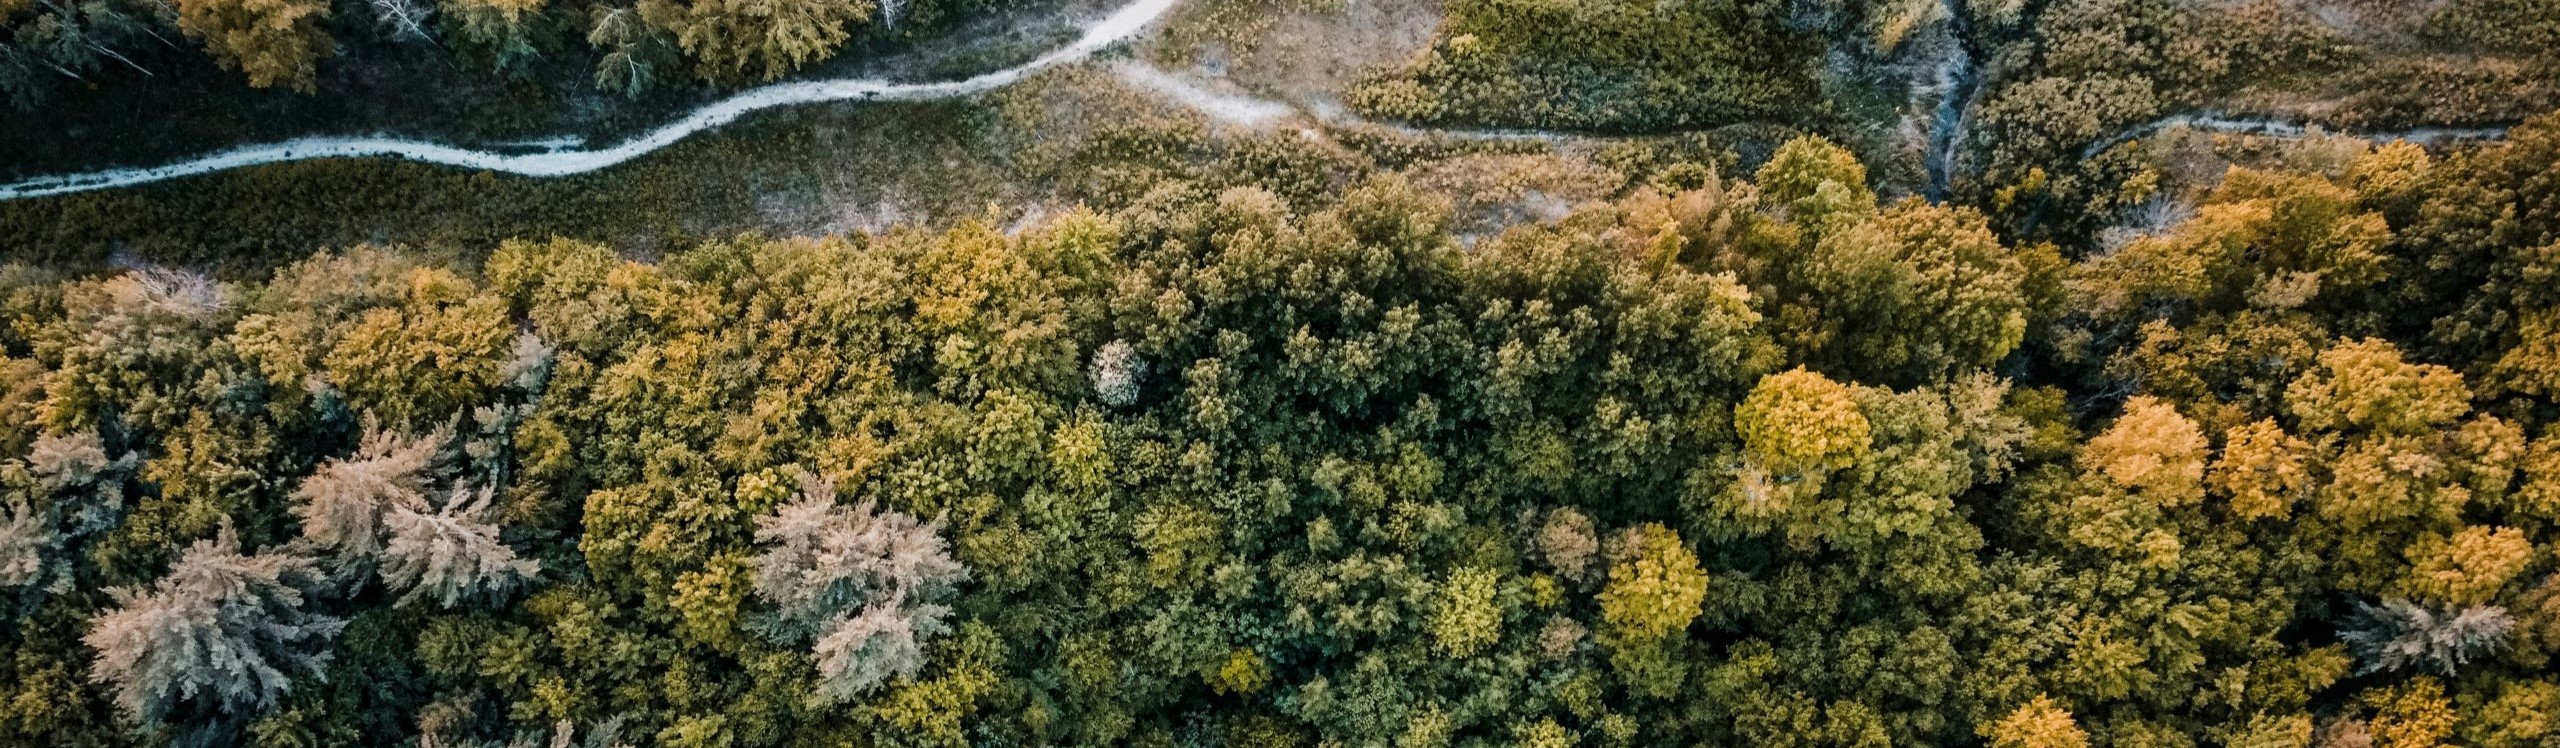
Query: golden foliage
(2470,567)
(2154,449)
(2040,723)
(274,42)
(2262,471)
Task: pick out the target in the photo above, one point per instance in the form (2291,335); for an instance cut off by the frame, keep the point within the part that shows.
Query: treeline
(1715,463)
(48,46)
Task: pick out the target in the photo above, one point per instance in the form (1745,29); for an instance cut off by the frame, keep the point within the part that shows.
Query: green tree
(1915,293)
(501,34)
(1655,586)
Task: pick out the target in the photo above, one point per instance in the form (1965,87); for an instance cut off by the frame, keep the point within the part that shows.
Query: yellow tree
(2152,449)
(732,40)
(2468,567)
(1655,586)
(1797,427)
(272,41)
(2041,723)
(2261,471)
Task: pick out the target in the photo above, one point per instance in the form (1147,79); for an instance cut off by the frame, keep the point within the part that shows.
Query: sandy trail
(1120,25)
(1245,110)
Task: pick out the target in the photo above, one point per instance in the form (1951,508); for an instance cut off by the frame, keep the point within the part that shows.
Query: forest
(49,45)
(1741,405)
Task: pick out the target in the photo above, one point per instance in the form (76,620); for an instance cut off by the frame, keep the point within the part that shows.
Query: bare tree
(403,20)
(165,291)
(1568,542)
(1117,373)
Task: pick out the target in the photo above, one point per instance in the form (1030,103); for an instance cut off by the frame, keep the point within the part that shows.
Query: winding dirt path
(561,156)
(562,161)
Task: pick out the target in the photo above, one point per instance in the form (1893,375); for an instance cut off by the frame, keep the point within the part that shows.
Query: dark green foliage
(51,48)
(1610,65)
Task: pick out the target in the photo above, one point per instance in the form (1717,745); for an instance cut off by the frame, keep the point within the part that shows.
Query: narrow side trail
(2285,129)
(1119,26)
(1260,113)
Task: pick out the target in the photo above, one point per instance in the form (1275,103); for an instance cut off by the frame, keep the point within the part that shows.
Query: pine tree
(224,631)
(342,503)
(498,33)
(886,640)
(78,493)
(374,506)
(2399,635)
(733,40)
(27,537)
(633,49)
(450,554)
(60,462)
(866,584)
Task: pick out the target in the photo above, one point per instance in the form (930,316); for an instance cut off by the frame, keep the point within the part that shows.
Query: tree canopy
(1712,462)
